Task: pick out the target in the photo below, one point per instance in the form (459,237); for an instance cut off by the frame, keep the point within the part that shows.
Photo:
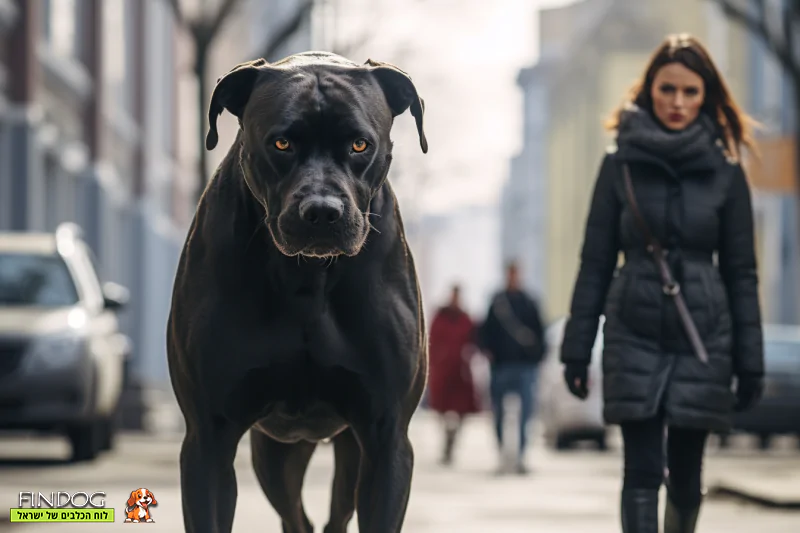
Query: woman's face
(678,94)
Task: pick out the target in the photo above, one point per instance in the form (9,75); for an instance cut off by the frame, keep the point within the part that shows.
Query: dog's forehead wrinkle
(272,101)
(316,102)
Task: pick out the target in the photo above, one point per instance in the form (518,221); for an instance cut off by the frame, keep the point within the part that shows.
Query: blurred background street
(102,121)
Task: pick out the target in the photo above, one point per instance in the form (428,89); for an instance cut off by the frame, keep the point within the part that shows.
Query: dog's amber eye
(282,144)
(359,145)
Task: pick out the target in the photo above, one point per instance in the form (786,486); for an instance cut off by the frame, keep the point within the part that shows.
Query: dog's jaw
(313,251)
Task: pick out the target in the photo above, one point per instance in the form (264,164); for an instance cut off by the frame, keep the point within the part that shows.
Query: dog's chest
(292,389)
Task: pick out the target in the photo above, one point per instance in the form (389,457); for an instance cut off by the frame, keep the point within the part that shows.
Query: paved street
(572,492)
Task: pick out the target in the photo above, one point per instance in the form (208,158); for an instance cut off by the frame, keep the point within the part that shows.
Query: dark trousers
(645,442)
(517,379)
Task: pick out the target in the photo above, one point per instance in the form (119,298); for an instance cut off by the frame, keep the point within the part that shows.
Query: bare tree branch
(222,15)
(759,28)
(788,31)
(177,12)
(277,38)
(204,28)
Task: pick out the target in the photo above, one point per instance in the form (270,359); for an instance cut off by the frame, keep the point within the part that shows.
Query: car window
(780,354)
(35,280)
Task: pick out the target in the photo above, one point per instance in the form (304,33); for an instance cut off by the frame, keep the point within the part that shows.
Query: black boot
(639,511)
(680,519)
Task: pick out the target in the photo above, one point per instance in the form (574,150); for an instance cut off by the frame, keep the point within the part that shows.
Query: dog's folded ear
(232,93)
(401,94)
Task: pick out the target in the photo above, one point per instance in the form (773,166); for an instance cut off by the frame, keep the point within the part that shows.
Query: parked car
(61,352)
(566,419)
(778,412)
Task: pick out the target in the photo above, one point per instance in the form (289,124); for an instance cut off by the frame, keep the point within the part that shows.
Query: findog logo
(138,507)
(62,506)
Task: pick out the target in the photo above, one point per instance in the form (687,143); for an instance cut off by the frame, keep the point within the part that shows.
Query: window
(61,26)
(35,280)
(118,50)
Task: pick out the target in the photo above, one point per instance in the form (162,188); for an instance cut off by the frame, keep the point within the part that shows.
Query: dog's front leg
(208,480)
(387,462)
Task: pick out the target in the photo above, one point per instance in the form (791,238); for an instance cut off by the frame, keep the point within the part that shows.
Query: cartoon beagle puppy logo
(138,508)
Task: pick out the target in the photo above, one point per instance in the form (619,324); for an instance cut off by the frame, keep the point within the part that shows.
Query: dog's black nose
(321,209)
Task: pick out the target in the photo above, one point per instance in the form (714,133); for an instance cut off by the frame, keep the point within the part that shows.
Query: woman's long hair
(736,126)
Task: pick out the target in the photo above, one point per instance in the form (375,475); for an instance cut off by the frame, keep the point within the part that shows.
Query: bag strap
(670,286)
(521,333)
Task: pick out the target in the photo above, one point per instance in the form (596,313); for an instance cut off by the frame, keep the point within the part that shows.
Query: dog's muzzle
(320,225)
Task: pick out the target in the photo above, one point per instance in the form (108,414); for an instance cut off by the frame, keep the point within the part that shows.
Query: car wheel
(764,441)
(563,443)
(85,440)
(107,431)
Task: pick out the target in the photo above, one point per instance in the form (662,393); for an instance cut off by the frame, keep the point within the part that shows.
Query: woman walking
(682,314)
(451,388)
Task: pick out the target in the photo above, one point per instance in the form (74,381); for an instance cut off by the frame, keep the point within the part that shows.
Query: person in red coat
(451,391)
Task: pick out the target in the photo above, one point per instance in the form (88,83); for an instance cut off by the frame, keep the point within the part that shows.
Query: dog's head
(142,498)
(316,144)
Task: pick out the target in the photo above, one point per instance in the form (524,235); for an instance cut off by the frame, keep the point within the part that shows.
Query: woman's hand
(748,392)
(577,378)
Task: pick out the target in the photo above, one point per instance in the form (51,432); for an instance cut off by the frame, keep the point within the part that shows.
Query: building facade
(774,179)
(9,14)
(524,205)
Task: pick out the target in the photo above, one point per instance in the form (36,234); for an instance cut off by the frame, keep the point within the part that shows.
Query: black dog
(296,308)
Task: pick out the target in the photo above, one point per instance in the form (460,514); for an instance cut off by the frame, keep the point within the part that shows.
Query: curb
(722,491)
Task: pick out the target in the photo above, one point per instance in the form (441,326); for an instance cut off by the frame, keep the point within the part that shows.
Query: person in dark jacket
(680,137)
(513,337)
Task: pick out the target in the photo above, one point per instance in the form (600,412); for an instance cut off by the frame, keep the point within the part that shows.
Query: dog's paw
(151,520)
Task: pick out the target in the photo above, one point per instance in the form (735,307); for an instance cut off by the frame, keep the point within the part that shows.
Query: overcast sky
(464,57)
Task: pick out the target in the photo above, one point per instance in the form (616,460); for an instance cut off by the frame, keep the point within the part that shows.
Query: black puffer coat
(699,207)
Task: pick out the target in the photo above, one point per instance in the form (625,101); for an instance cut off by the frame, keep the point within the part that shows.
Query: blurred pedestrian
(513,337)
(451,391)
(682,314)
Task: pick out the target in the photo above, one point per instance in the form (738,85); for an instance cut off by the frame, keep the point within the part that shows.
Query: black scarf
(639,129)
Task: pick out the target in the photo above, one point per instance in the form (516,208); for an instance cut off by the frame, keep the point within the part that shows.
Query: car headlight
(54,352)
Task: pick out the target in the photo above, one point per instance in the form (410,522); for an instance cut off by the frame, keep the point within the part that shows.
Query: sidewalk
(567,492)
(776,482)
